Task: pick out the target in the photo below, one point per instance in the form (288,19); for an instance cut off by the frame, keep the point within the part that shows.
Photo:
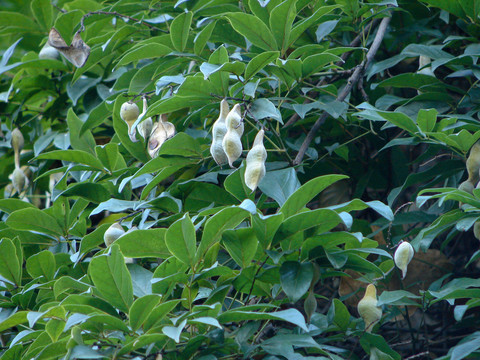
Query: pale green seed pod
(403,256)
(473,163)
(218,133)
(145,128)
(256,157)
(17,142)
(161,132)
(466,186)
(232,144)
(19,180)
(113,233)
(368,309)
(476,230)
(129,113)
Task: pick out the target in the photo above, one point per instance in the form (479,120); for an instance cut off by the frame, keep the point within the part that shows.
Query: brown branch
(355,42)
(348,87)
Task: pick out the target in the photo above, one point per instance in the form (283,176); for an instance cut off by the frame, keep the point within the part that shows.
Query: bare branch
(359,70)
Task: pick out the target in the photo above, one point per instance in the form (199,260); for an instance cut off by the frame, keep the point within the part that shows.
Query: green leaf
(466,346)
(85,142)
(42,10)
(301,26)
(253,29)
(10,267)
(427,119)
(112,279)
(179,30)
(144,243)
(34,220)
(17,318)
(281,21)
(42,264)
(259,62)
(181,241)
(225,219)
(143,52)
(305,193)
(66,22)
(241,244)
(92,192)
(292,316)
(317,62)
(15,22)
(296,278)
(141,310)
(110,156)
(279,184)
(266,226)
(10,205)
(322,219)
(202,38)
(75,156)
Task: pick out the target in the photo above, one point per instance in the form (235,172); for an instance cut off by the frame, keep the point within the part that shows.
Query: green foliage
(200,266)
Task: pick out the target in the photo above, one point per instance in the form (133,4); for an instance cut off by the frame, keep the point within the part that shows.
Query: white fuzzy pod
(129,112)
(256,157)
(218,133)
(48,52)
(232,143)
(403,256)
(113,233)
(368,309)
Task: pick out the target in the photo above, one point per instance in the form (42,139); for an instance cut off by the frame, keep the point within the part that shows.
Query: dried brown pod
(77,52)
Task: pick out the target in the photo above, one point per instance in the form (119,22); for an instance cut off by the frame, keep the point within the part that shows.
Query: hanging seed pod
(466,186)
(423,61)
(256,157)
(17,142)
(473,163)
(145,128)
(48,52)
(113,233)
(368,309)
(161,132)
(476,229)
(19,180)
(129,113)
(218,133)
(403,256)
(232,144)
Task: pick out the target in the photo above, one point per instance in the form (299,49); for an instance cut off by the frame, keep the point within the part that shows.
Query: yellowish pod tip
(17,140)
(113,233)
(368,309)
(403,256)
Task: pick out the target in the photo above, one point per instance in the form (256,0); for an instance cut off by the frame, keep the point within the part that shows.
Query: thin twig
(355,42)
(348,87)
